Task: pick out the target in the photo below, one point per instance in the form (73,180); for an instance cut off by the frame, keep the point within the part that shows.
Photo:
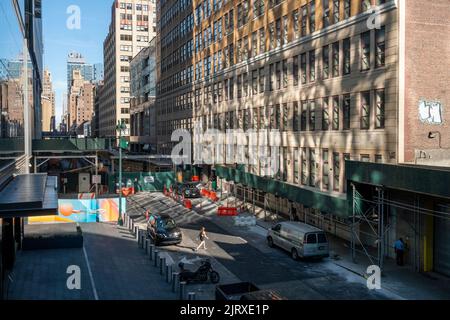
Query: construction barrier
(188,204)
(213,196)
(225,211)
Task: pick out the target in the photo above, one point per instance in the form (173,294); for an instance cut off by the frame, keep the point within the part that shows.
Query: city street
(243,252)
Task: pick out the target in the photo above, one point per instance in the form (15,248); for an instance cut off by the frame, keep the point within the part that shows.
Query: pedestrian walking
(399,247)
(202,237)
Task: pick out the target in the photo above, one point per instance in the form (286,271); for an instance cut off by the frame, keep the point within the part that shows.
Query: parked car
(300,239)
(162,230)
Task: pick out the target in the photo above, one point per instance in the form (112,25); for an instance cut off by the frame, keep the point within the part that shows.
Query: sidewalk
(401,281)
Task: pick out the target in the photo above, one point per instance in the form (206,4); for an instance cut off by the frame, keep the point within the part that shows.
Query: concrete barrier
(146,245)
(175,281)
(156,258)
(182,290)
(191,296)
(151,250)
(168,273)
(162,264)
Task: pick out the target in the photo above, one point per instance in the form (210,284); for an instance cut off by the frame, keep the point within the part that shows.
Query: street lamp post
(120,128)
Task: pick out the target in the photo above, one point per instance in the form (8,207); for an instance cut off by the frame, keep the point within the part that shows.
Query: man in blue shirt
(399,247)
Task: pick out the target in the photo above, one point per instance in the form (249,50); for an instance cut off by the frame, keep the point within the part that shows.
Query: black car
(190,190)
(162,230)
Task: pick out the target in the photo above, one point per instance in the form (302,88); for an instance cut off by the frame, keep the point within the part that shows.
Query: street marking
(94,289)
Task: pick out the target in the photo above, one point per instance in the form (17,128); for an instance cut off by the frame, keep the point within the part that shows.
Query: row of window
(138,7)
(179,103)
(182,29)
(304,66)
(180,55)
(335,114)
(177,8)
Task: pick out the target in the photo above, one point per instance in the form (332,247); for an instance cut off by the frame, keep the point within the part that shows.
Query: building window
(254,44)
(278,28)
(295,70)
(336,172)
(304,19)
(346,51)
(346,110)
(254,82)
(295,118)
(325,114)
(285,74)
(365,110)
(296,165)
(312,66)
(365,158)
(325,62)
(365,51)
(347,9)
(326,13)
(380,111)
(278,75)
(336,13)
(325,170)
(312,115)
(312,168)
(285,29)
(380,47)
(312,16)
(296,22)
(285,117)
(272,36)
(303,117)
(303,67)
(262,41)
(336,113)
(261,80)
(304,179)
(335,53)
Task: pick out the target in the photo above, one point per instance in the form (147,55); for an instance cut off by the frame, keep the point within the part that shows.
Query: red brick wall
(427,74)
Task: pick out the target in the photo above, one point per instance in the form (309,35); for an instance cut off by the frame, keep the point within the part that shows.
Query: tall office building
(80,100)
(98,73)
(174,102)
(48,103)
(132,27)
(75,61)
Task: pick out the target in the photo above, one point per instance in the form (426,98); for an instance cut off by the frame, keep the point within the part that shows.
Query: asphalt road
(245,254)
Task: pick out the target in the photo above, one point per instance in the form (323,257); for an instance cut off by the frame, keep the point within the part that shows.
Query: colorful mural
(84,211)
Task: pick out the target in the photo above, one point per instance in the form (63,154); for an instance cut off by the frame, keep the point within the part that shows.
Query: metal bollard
(146,245)
(168,272)
(162,263)
(142,236)
(182,289)
(191,296)
(156,258)
(139,237)
(151,250)
(131,227)
(175,280)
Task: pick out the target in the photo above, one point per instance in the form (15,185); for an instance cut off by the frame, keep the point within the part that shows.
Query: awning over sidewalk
(29,195)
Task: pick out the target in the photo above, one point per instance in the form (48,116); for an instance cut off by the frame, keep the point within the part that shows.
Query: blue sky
(59,41)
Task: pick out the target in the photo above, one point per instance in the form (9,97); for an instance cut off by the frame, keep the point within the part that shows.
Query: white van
(300,239)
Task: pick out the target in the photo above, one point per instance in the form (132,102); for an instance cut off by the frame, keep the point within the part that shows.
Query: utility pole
(120,127)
